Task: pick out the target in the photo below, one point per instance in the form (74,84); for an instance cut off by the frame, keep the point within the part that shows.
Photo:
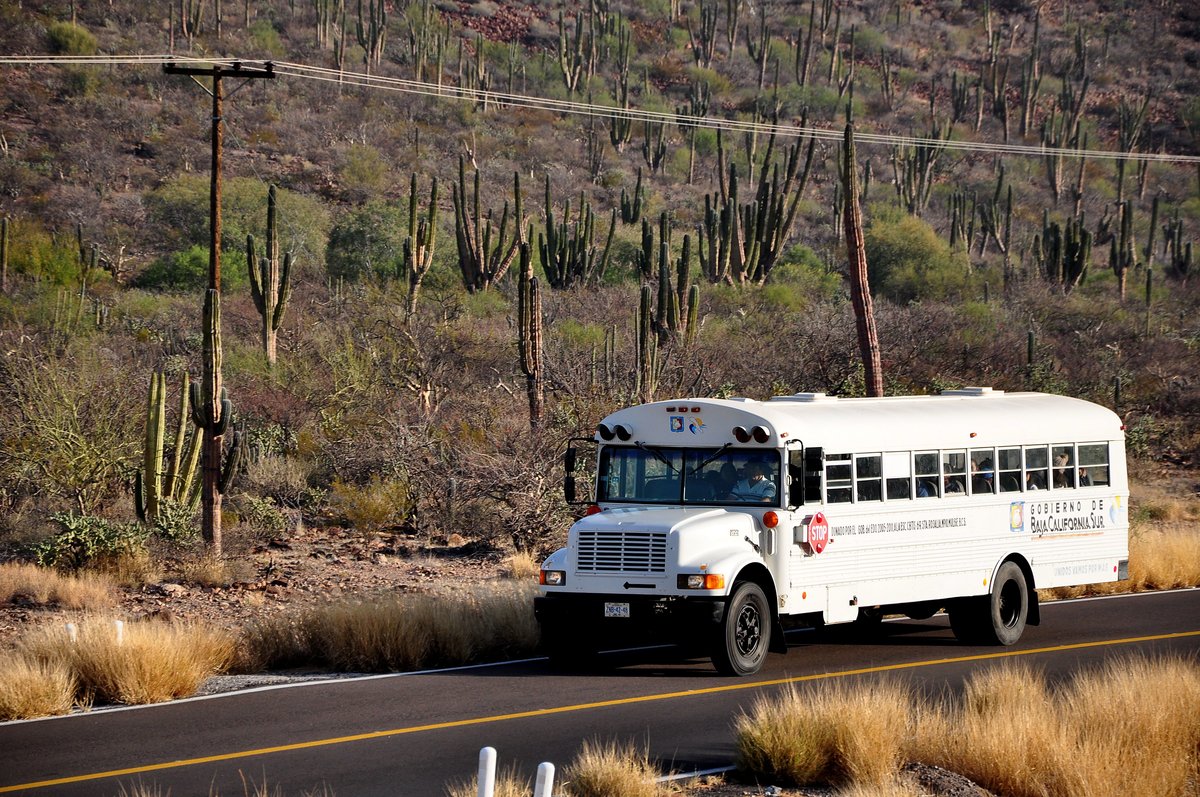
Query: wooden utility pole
(210,408)
(860,289)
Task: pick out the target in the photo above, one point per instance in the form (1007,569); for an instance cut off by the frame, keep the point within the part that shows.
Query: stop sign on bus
(818,532)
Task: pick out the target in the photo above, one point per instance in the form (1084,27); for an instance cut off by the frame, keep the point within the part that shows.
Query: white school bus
(715,519)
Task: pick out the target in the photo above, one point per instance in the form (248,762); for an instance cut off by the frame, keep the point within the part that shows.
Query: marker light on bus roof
(605,431)
(740,434)
(623,432)
(760,434)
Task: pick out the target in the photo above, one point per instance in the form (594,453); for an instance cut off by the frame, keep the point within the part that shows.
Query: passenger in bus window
(982,477)
(1034,480)
(1062,472)
(1084,479)
(756,486)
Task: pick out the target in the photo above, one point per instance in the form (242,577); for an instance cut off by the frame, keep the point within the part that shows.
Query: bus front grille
(622,552)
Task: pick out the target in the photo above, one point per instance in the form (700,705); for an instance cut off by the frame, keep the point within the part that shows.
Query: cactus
(576,55)
(1121,251)
(567,249)
(915,168)
(270,284)
(995,219)
(371,30)
(631,206)
(654,145)
(962,219)
(759,49)
(417,249)
(740,243)
(4,253)
(212,412)
(1063,254)
(703,39)
(620,127)
(529,326)
(177,483)
(647,351)
(1177,253)
(803,59)
(856,253)
(485,250)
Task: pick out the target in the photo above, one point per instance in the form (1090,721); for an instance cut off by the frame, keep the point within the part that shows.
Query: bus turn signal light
(771,519)
(702,581)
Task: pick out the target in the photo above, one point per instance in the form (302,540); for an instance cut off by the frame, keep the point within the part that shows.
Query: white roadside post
(487,772)
(544,784)
(72,632)
(120,626)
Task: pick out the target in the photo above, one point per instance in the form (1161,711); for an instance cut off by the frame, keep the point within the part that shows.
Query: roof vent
(805,397)
(973,391)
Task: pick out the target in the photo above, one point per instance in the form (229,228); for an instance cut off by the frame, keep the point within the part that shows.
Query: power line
(590,109)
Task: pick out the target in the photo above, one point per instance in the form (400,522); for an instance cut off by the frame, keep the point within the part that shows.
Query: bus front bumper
(628,618)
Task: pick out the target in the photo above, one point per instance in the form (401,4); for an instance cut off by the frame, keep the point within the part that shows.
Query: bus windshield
(657,475)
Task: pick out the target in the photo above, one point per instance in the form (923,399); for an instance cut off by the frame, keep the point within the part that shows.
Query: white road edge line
(344,678)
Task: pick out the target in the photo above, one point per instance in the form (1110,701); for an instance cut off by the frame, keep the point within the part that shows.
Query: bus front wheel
(744,635)
(997,618)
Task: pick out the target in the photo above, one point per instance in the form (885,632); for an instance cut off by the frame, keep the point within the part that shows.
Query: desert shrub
(840,733)
(362,171)
(611,770)
(908,261)
(49,587)
(509,783)
(86,539)
(69,39)
(408,632)
(187,270)
(35,252)
(265,38)
(260,515)
(381,503)
(367,242)
(31,688)
(134,663)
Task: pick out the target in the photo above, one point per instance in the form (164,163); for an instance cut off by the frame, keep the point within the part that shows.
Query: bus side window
(1093,465)
(1064,466)
(838,482)
(1010,470)
(1037,467)
(868,475)
(955,471)
(897,475)
(925,466)
(814,464)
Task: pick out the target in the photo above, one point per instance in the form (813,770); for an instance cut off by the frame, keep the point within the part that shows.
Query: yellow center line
(543,712)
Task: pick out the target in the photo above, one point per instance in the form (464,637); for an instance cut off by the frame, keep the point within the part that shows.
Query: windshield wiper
(654,452)
(715,454)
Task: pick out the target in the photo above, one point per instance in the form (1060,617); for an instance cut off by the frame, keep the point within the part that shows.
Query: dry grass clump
(611,770)
(1100,734)
(30,688)
(45,586)
(409,632)
(898,788)
(1161,556)
(508,784)
(1006,734)
(146,663)
(837,733)
(522,566)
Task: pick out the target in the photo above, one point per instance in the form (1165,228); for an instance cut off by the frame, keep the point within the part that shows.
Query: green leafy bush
(188,270)
(69,39)
(366,242)
(908,261)
(84,539)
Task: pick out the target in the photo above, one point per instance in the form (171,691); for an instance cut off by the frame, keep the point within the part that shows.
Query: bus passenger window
(837,479)
(1010,470)
(868,475)
(897,475)
(925,466)
(1037,467)
(954,468)
(1093,465)
(983,471)
(1064,466)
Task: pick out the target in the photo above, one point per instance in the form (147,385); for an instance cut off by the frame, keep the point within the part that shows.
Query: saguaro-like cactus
(1063,253)
(270,282)
(647,350)
(212,412)
(568,250)
(419,244)
(1121,252)
(529,329)
(485,250)
(156,480)
(4,254)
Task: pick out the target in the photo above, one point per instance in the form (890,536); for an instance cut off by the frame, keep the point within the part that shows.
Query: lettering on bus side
(1049,517)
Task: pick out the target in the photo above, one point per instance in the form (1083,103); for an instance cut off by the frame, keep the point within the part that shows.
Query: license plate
(616,610)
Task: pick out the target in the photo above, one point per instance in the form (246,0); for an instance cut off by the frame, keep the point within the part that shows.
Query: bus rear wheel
(997,618)
(744,635)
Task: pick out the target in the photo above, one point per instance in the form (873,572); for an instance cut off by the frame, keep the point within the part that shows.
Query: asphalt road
(409,735)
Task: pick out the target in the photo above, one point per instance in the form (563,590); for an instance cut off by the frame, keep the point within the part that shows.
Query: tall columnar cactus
(1063,254)
(157,481)
(485,250)
(529,329)
(631,206)
(419,244)
(915,168)
(654,145)
(212,412)
(995,217)
(647,350)
(270,282)
(1178,253)
(577,55)
(740,243)
(568,250)
(4,254)
(1121,251)
(371,30)
(704,37)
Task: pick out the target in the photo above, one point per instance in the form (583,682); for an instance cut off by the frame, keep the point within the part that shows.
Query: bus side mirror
(569,489)
(569,460)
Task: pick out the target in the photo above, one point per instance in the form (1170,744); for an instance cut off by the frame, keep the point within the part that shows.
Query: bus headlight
(553,578)
(701,581)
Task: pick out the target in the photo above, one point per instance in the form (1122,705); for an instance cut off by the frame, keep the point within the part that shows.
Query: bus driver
(756,486)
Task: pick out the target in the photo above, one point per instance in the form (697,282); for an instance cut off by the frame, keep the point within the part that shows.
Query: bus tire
(744,634)
(997,618)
